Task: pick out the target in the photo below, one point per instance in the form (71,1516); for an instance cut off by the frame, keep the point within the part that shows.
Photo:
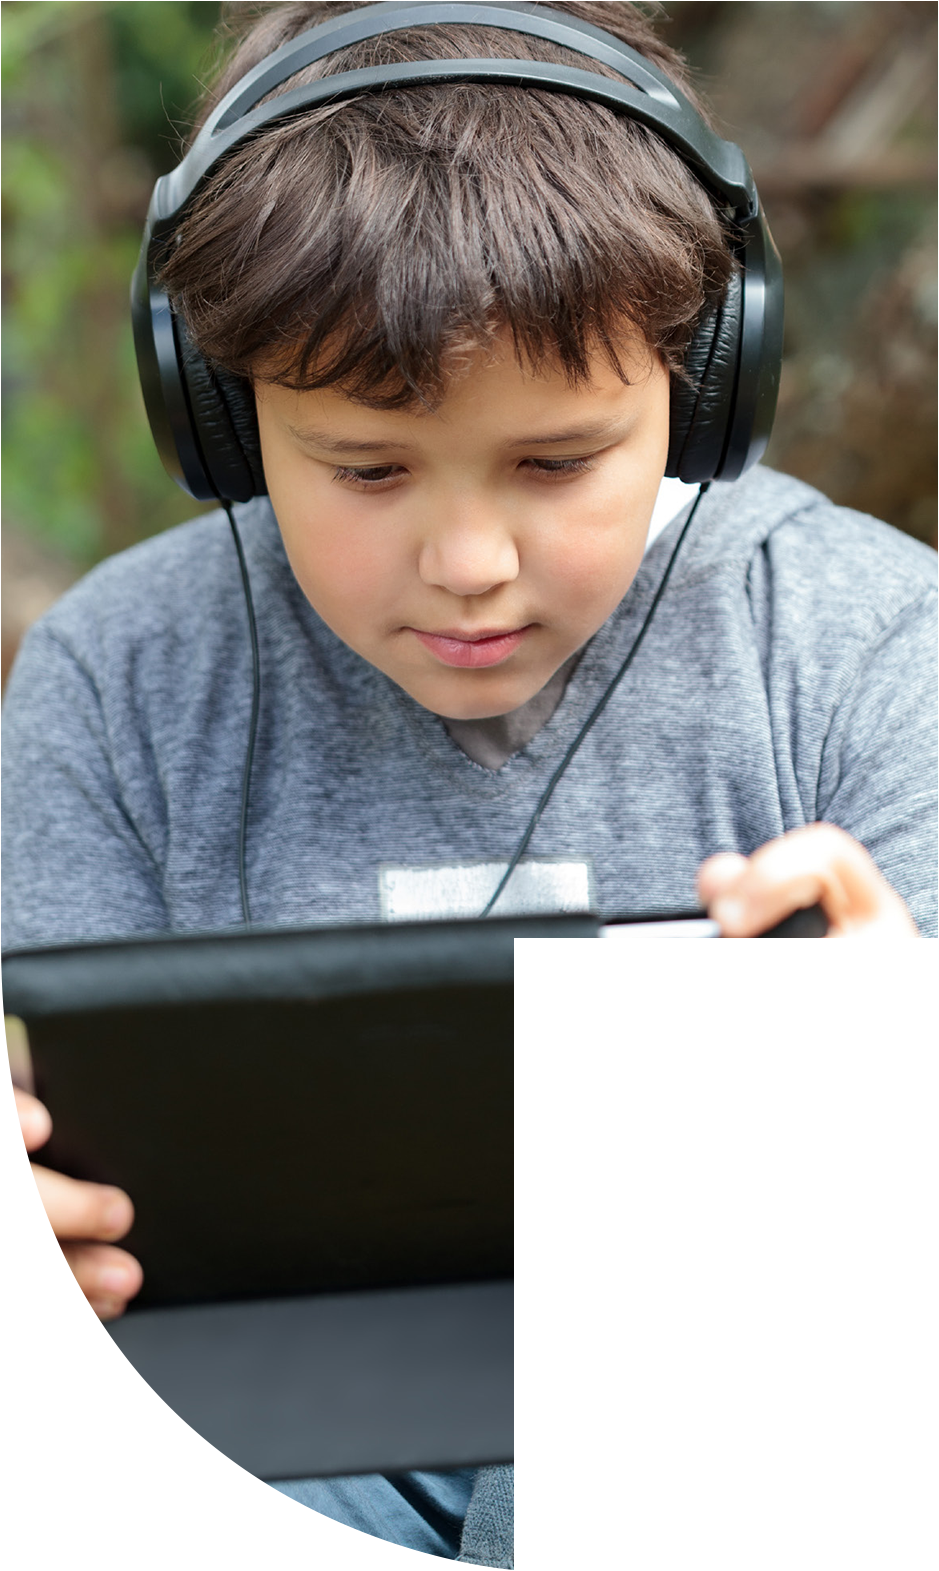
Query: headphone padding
(700,413)
(225,423)
(238,397)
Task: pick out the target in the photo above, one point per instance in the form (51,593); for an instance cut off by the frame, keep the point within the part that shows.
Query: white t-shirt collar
(673,498)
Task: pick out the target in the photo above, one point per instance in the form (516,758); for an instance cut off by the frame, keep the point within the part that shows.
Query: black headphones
(203,419)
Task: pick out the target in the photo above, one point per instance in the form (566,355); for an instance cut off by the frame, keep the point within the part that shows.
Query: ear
(225,422)
(701,412)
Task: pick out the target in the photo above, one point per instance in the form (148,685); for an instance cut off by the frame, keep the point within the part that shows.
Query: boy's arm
(75,866)
(877,778)
(871,862)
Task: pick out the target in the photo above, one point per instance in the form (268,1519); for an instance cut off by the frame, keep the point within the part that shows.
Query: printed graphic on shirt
(415,894)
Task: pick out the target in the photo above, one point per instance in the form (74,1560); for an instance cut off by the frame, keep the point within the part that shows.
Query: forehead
(491,396)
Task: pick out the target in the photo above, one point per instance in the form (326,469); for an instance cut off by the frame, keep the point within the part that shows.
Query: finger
(718,873)
(817,864)
(80,1210)
(35,1123)
(108,1277)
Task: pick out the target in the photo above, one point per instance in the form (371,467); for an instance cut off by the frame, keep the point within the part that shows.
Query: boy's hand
(815,865)
(83,1216)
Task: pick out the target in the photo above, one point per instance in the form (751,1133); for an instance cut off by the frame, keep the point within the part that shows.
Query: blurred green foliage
(97,94)
(95,98)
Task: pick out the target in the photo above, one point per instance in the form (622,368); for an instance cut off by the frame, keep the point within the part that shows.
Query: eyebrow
(581,433)
(342,444)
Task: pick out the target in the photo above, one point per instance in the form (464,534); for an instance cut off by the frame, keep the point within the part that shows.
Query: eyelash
(374,476)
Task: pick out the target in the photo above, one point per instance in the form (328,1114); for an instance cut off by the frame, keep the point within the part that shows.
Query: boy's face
(467,553)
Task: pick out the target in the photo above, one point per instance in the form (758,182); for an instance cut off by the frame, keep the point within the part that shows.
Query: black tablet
(291,1111)
(316,1130)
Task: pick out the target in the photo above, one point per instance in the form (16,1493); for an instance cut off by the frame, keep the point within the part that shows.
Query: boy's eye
(559,466)
(370,476)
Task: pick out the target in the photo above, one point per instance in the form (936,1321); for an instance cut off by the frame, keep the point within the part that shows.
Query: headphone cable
(550,788)
(594,714)
(253,724)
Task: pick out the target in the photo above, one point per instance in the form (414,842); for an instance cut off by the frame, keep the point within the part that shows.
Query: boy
(460,313)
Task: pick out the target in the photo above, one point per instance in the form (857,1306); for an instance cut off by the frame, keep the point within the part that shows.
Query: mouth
(472,651)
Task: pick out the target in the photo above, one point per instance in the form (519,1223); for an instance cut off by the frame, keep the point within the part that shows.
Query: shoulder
(158,580)
(814,567)
(179,586)
(766,510)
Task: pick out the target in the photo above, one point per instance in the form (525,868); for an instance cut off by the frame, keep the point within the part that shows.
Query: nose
(469,555)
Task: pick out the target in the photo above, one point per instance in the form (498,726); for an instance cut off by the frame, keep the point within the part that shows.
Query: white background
(727,1287)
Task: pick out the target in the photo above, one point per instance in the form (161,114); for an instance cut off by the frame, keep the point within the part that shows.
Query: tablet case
(292,1112)
(316,1129)
(368,1382)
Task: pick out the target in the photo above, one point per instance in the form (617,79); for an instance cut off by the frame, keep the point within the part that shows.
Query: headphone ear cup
(226,425)
(701,409)
(237,395)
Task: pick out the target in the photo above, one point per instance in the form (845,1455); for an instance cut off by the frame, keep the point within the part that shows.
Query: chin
(474,701)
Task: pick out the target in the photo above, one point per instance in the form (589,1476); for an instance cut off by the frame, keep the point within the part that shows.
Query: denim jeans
(417,1510)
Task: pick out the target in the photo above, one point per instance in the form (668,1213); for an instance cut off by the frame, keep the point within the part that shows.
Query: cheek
(594,560)
(341,566)
(335,562)
(345,581)
(596,584)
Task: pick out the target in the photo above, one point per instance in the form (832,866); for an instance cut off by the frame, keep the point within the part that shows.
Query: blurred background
(833,103)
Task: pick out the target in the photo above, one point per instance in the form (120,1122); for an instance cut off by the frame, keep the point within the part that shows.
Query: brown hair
(364,244)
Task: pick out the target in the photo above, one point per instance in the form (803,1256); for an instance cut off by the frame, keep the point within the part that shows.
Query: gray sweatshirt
(788,675)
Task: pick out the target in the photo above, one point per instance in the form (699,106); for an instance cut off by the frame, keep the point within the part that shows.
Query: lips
(472,650)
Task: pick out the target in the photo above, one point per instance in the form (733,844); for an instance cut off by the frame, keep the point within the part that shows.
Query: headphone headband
(647,95)
(374,20)
(203,422)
